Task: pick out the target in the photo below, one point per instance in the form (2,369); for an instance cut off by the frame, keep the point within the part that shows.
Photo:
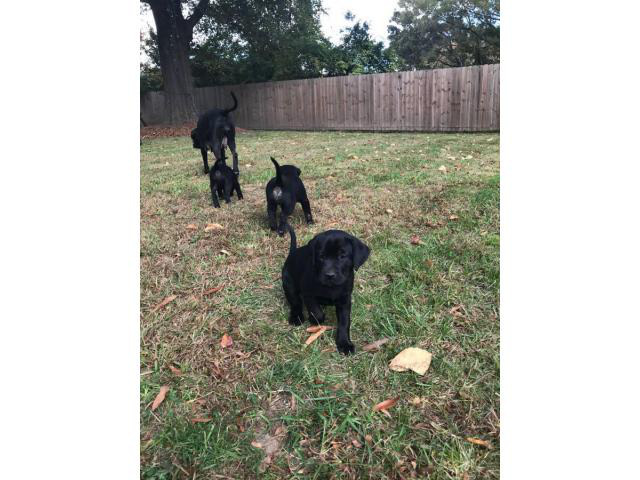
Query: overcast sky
(376,13)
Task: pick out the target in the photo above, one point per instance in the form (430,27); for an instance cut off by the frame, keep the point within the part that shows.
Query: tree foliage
(241,41)
(446,33)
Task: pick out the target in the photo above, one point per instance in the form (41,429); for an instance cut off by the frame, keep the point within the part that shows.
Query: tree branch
(198,13)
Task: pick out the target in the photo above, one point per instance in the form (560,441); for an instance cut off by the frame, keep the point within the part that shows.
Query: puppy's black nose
(330,275)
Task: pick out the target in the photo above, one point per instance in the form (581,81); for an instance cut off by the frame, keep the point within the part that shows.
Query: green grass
(383,188)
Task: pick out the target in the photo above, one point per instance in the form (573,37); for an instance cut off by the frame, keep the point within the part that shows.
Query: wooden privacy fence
(465,99)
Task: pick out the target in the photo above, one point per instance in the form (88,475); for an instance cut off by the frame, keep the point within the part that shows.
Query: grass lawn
(311,408)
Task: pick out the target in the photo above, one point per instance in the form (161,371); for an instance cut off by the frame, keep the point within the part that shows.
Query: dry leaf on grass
(412,358)
(316,328)
(389,211)
(212,227)
(356,443)
(213,290)
(175,371)
(225,252)
(192,226)
(453,217)
(456,311)
(201,420)
(164,302)
(368,438)
(375,345)
(160,397)
(415,240)
(226,341)
(315,336)
(382,406)
(480,442)
(442,168)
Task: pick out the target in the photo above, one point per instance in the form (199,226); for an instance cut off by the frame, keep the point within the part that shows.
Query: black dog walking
(223,181)
(285,189)
(322,273)
(214,128)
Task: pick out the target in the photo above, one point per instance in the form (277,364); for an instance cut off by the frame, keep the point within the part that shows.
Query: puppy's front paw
(206,171)
(296,319)
(237,172)
(281,232)
(346,347)
(310,220)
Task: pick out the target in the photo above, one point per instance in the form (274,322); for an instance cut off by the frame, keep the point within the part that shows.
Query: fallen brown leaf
(192,226)
(386,404)
(429,263)
(316,328)
(375,345)
(175,371)
(201,420)
(480,442)
(226,341)
(416,401)
(356,443)
(315,336)
(453,217)
(389,211)
(456,311)
(412,358)
(225,252)
(213,226)
(213,290)
(368,438)
(415,240)
(442,168)
(164,302)
(160,397)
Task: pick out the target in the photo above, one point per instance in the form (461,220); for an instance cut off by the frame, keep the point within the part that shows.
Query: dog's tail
(292,247)
(235,105)
(278,173)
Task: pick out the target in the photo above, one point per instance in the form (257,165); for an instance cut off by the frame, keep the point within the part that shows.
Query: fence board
(465,99)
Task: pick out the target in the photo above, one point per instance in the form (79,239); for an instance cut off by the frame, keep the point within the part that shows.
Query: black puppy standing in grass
(223,181)
(214,128)
(285,189)
(321,273)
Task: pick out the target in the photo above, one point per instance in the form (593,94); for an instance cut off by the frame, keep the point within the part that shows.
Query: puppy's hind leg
(228,188)
(214,187)
(296,317)
(236,187)
(306,208)
(271,213)
(231,141)
(203,151)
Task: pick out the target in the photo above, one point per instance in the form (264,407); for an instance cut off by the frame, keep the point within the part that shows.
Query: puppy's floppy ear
(315,245)
(360,251)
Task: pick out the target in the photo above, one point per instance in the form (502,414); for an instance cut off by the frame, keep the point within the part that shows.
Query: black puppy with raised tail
(321,273)
(223,181)
(285,189)
(214,128)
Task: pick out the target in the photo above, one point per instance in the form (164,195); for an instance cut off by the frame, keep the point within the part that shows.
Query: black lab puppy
(321,273)
(214,128)
(285,189)
(223,181)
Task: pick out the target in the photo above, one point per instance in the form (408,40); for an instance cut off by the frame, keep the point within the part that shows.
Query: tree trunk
(174,36)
